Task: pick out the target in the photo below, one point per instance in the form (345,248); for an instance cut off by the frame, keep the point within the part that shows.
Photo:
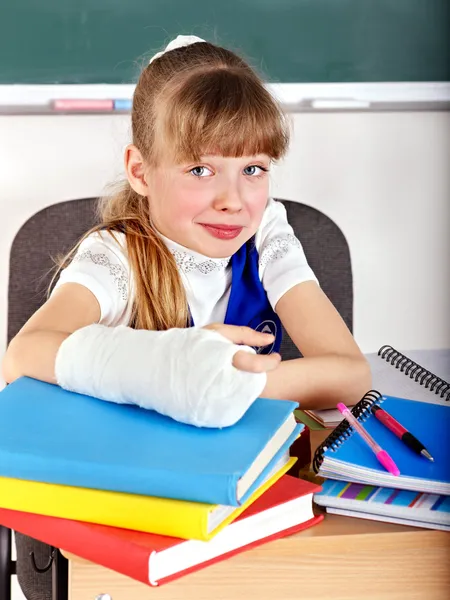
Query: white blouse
(101,265)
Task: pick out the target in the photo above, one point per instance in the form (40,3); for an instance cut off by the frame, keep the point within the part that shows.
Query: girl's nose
(229,200)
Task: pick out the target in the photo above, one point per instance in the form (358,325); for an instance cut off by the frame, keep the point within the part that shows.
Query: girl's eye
(200,171)
(254,170)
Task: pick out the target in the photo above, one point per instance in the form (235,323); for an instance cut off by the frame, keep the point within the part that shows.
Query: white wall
(385,180)
(383,177)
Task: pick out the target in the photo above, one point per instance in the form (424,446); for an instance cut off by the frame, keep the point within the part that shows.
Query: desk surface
(341,558)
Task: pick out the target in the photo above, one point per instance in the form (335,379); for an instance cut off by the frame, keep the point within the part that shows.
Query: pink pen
(381,454)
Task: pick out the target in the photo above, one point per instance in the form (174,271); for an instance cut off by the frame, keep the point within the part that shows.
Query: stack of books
(358,485)
(140,493)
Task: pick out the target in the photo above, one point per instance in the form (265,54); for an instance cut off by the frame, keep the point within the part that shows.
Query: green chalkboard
(105,41)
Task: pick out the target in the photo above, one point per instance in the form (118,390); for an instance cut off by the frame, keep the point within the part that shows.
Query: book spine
(91,543)
(210,488)
(127,511)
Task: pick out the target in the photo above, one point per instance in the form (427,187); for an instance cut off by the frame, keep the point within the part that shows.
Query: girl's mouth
(223,232)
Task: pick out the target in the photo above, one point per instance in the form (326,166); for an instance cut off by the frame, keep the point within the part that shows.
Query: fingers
(243,360)
(256,363)
(238,334)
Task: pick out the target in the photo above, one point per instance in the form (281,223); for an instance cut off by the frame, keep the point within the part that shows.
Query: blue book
(385,504)
(49,434)
(345,456)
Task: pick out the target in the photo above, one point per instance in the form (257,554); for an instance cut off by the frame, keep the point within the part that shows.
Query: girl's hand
(242,360)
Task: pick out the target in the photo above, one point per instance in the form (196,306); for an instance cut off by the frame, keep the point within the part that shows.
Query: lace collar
(190,261)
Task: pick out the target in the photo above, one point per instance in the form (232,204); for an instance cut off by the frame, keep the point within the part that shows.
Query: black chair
(41,569)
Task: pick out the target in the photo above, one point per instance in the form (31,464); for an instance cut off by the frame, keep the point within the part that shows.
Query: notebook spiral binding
(361,411)
(415,371)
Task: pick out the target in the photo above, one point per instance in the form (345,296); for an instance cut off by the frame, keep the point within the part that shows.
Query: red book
(284,509)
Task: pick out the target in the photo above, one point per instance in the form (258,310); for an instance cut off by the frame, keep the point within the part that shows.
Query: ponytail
(159,301)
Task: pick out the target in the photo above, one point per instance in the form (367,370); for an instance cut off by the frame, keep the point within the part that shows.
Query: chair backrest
(328,255)
(55,229)
(49,233)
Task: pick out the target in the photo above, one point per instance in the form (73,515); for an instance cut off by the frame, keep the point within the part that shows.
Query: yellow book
(164,516)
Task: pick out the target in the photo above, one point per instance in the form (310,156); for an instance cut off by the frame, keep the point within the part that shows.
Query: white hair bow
(178,42)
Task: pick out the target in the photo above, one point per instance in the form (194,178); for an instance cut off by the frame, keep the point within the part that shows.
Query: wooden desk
(340,559)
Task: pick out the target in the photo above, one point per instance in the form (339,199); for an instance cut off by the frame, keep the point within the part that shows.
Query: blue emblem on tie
(267,326)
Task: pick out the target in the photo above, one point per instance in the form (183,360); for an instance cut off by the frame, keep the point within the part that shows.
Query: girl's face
(212,207)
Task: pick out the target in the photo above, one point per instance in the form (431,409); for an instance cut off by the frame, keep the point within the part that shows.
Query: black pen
(402,433)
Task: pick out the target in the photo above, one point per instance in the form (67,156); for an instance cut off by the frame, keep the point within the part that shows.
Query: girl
(192,267)
(191,239)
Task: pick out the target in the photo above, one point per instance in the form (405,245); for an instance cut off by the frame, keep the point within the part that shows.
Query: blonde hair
(190,100)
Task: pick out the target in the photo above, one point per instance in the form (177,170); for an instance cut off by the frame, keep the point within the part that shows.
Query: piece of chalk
(79,104)
(123,104)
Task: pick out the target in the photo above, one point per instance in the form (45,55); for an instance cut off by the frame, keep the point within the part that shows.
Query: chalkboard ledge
(294,97)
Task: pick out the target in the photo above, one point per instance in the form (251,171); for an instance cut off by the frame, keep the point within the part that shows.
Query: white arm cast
(186,374)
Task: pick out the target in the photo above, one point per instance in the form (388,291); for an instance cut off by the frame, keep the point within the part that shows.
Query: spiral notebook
(345,456)
(407,376)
